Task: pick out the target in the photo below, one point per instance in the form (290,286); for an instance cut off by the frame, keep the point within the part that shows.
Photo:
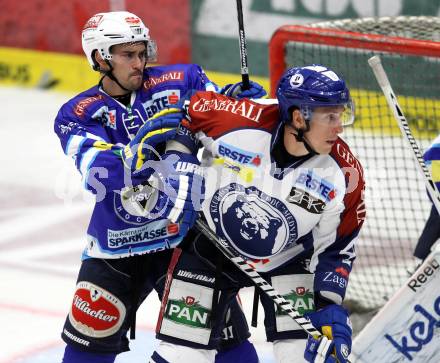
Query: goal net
(397,203)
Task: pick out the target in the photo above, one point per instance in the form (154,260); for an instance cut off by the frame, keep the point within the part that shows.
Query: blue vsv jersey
(93,129)
(432,159)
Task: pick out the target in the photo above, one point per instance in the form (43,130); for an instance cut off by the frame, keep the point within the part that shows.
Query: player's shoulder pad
(156,70)
(216,114)
(156,75)
(188,75)
(344,157)
(355,187)
(85,103)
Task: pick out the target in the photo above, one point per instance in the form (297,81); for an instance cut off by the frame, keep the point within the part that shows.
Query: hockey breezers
(258,281)
(256,278)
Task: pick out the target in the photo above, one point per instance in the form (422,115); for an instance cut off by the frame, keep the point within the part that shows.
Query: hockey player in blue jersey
(112,131)
(431,231)
(286,192)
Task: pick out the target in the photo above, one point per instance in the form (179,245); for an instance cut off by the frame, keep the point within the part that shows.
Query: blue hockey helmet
(313,86)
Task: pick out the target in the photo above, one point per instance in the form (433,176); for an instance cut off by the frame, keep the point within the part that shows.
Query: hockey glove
(335,345)
(235,90)
(158,129)
(181,188)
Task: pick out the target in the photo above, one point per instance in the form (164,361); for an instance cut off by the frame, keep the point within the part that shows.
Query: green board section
(214,25)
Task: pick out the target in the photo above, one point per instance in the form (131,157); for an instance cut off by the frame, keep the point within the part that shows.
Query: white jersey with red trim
(272,215)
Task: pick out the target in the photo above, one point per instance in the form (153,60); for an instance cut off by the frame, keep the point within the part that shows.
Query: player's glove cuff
(236,90)
(157,130)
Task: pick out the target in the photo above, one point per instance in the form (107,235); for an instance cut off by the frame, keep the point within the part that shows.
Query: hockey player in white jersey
(286,192)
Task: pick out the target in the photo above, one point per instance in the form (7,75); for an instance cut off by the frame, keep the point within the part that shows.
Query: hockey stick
(256,278)
(384,83)
(243,47)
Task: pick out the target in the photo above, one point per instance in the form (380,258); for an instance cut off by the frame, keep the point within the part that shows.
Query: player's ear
(298,121)
(101,62)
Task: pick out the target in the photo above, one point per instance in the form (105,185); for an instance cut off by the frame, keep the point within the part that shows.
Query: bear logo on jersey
(256,224)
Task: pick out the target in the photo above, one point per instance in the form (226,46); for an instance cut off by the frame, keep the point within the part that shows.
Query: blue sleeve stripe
(88,169)
(87,159)
(66,149)
(74,145)
(94,137)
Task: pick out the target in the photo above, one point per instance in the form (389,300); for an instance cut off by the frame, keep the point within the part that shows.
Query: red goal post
(396,199)
(339,38)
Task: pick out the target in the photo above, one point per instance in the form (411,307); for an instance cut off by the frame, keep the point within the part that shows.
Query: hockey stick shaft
(243,47)
(384,83)
(256,278)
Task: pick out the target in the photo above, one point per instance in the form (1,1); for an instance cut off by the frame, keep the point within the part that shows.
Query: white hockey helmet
(104,30)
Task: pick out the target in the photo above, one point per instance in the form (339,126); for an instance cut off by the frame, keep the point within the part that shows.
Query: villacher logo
(95,312)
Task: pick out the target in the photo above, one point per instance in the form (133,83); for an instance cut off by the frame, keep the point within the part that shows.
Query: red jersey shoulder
(217,114)
(354,200)
(343,156)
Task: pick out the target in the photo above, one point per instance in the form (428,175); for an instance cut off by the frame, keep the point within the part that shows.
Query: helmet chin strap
(299,136)
(309,148)
(110,75)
